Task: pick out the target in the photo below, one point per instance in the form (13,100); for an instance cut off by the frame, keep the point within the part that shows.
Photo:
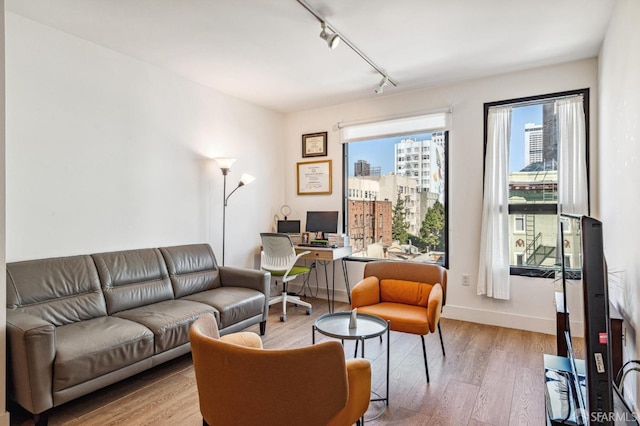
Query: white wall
(105,152)
(531,306)
(4,415)
(619,161)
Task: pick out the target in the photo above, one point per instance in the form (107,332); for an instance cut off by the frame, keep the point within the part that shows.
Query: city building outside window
(534,168)
(405,216)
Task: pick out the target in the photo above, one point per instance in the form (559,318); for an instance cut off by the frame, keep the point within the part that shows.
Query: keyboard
(322,245)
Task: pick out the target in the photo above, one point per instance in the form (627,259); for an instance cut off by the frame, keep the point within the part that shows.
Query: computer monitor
(288,226)
(322,222)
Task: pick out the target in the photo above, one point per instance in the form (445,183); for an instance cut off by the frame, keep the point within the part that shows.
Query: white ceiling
(269,51)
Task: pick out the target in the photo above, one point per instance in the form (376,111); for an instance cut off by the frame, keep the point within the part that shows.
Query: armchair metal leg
(424,352)
(441,342)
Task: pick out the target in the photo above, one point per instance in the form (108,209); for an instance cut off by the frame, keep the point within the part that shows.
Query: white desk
(324,255)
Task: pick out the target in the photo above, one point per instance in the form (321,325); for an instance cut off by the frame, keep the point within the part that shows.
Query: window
(410,202)
(533,178)
(518,225)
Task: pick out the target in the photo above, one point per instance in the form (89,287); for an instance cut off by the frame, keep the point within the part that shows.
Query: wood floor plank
(489,376)
(455,405)
(493,403)
(527,404)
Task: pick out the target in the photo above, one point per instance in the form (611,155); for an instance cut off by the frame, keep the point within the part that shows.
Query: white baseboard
(508,320)
(463,313)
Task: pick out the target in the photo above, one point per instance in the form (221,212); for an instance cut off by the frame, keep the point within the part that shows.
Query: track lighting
(380,87)
(332,36)
(332,39)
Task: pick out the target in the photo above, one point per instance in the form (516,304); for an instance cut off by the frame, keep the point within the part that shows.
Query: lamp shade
(246,179)
(225,163)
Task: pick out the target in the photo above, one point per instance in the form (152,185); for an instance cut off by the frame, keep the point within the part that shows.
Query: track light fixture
(332,39)
(380,87)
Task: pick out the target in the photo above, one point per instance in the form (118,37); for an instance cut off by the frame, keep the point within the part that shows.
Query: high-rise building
(533,147)
(541,143)
(363,168)
(423,160)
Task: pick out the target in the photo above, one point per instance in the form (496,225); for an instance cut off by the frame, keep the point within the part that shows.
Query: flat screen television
(322,222)
(583,257)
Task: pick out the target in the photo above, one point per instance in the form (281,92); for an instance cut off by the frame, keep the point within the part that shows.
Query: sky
(519,117)
(379,152)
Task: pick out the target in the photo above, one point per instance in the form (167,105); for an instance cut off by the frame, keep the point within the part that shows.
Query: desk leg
(326,282)
(333,286)
(346,278)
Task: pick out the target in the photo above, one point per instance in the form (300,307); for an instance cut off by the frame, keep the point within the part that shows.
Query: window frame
(540,209)
(403,190)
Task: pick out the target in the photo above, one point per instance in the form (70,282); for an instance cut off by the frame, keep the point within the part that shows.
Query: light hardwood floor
(489,376)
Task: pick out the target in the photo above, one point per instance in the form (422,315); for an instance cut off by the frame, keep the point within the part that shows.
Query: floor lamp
(225,164)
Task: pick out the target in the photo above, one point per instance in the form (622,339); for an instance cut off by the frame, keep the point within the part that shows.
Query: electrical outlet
(465,279)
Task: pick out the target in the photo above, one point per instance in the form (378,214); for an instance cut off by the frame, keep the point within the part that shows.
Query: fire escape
(535,251)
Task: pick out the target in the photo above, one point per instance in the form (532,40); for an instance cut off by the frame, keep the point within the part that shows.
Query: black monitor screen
(288,226)
(325,222)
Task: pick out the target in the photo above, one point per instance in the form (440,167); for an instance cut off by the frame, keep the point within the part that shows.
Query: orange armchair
(409,295)
(239,383)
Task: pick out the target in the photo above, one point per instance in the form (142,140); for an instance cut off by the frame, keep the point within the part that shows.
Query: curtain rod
(537,101)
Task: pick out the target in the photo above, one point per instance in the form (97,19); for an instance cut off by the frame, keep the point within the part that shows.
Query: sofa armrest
(244,277)
(31,351)
(366,292)
(359,382)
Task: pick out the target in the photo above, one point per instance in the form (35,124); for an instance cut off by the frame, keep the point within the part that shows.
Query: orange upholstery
(239,383)
(409,295)
(408,271)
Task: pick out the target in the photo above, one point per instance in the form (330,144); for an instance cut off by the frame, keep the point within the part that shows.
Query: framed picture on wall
(314,177)
(314,144)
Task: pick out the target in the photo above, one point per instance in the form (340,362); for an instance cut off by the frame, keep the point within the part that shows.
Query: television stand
(615,325)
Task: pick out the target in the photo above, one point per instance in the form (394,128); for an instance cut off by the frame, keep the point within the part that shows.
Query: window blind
(395,127)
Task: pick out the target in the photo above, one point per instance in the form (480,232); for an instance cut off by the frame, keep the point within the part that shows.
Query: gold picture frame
(314,177)
(314,144)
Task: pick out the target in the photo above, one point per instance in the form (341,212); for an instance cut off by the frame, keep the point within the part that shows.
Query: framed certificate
(314,178)
(314,144)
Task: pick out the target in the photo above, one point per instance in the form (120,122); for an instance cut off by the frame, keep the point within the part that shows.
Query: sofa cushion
(192,268)
(406,292)
(234,304)
(133,278)
(60,290)
(169,320)
(91,348)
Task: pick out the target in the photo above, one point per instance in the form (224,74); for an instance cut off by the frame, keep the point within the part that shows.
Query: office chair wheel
(283,318)
(309,311)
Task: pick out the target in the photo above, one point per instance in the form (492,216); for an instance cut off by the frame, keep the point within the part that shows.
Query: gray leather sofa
(77,324)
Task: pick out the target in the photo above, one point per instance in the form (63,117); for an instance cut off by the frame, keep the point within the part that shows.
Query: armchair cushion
(405,292)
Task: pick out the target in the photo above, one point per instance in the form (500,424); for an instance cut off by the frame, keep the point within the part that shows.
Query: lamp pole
(224,208)
(225,166)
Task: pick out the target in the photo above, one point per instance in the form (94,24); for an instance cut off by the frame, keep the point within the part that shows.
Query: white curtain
(493,271)
(572,164)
